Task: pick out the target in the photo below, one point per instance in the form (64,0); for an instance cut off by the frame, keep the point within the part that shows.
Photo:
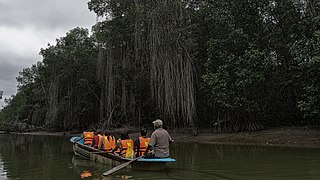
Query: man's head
(157,123)
(143,132)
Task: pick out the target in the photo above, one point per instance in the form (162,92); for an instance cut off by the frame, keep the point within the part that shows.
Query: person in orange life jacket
(123,144)
(159,141)
(141,143)
(88,137)
(107,142)
(96,138)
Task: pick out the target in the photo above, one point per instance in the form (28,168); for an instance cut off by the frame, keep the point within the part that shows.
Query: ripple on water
(3,172)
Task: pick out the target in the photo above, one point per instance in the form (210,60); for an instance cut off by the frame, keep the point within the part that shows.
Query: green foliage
(15,108)
(308,53)
(60,92)
(235,65)
(253,72)
(69,80)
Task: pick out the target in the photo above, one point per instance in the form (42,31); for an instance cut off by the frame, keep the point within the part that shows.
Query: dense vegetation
(222,64)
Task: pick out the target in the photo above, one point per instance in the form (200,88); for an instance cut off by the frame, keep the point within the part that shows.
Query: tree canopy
(226,65)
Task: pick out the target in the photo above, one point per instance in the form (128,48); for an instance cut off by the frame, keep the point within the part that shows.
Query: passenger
(107,142)
(141,143)
(159,141)
(88,137)
(97,138)
(124,146)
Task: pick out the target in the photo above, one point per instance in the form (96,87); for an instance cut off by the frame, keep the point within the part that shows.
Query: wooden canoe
(93,154)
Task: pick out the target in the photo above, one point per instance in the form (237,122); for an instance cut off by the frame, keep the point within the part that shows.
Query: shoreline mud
(284,136)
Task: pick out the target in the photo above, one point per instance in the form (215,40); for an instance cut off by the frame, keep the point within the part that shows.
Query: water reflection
(48,157)
(3,172)
(247,162)
(35,157)
(93,170)
(85,168)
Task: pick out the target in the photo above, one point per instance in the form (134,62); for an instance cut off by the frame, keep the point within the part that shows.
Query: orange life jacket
(124,145)
(109,143)
(85,174)
(143,145)
(88,137)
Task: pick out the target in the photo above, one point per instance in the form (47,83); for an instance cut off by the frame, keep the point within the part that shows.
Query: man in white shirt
(159,141)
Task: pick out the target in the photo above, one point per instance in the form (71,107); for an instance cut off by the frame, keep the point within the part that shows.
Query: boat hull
(96,155)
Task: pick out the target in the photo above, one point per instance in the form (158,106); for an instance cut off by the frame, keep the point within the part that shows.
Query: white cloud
(46,14)
(20,42)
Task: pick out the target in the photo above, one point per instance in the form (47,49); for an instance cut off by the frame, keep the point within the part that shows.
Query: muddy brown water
(50,157)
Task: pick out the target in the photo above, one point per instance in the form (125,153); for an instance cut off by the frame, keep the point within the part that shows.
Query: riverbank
(285,136)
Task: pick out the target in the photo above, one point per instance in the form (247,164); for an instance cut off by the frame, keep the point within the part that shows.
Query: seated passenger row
(124,146)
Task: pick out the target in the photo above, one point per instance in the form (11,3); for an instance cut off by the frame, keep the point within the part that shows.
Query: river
(34,157)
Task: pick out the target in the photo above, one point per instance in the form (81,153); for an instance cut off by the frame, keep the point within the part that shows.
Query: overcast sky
(26,26)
